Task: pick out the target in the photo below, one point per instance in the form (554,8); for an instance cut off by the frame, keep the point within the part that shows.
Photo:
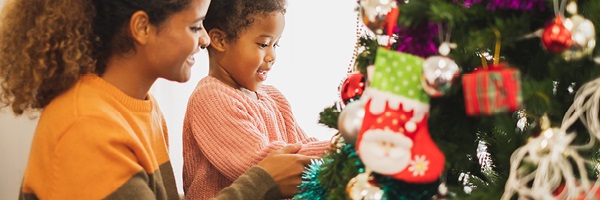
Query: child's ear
(140,27)
(217,39)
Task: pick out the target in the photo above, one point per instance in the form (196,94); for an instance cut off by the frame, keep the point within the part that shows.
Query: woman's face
(176,42)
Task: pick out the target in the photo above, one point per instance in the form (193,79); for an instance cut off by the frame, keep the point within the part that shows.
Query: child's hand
(286,168)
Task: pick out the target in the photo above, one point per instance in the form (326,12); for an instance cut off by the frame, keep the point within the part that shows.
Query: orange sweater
(226,132)
(95,142)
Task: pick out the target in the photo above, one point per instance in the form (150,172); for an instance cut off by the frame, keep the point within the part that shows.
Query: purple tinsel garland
(524,5)
(419,41)
(469,3)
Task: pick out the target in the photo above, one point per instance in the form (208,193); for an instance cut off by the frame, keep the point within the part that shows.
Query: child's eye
(263,45)
(276,45)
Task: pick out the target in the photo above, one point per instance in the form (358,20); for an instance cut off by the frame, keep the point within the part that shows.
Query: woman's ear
(140,27)
(218,38)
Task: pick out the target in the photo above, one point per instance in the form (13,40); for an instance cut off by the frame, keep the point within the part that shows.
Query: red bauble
(561,187)
(556,38)
(353,87)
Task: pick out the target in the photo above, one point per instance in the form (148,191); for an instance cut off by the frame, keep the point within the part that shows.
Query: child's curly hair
(235,16)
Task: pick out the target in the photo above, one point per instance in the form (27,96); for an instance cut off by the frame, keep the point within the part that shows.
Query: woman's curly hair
(235,16)
(44,51)
(47,45)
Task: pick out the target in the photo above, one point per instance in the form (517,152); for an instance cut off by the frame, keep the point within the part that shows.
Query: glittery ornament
(375,13)
(360,188)
(521,117)
(442,192)
(353,87)
(439,73)
(350,121)
(583,34)
(556,38)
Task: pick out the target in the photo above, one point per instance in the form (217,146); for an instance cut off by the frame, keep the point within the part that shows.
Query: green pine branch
(549,83)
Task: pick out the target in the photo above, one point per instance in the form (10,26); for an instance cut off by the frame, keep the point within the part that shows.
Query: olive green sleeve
(255,184)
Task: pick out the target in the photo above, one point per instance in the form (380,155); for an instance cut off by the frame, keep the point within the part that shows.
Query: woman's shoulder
(95,98)
(78,100)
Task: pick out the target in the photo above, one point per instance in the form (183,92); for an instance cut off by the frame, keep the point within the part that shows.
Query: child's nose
(270,58)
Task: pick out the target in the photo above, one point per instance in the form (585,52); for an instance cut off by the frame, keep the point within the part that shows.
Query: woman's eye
(195,28)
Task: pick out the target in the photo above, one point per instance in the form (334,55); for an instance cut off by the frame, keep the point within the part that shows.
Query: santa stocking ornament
(394,139)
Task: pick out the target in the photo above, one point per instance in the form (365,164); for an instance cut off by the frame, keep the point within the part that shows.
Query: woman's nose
(204,40)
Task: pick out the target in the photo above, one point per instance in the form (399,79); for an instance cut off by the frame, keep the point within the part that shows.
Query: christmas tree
(466,99)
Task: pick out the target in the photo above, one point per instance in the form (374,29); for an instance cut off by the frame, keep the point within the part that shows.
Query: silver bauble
(374,12)
(439,74)
(583,34)
(350,120)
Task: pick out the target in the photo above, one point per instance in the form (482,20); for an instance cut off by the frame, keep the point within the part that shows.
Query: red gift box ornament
(493,89)
(496,89)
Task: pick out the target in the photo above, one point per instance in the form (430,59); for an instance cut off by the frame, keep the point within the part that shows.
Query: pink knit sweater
(225,132)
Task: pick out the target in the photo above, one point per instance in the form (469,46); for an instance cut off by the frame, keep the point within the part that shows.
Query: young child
(232,120)
(88,65)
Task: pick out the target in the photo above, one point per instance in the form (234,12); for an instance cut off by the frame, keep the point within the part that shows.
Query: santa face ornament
(385,150)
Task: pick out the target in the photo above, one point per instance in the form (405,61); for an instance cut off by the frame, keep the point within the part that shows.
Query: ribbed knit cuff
(315,148)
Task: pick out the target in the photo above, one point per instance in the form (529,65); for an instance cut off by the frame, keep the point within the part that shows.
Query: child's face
(177,40)
(249,57)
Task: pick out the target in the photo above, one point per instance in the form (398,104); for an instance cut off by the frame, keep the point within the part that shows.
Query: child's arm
(310,146)
(277,176)
(227,132)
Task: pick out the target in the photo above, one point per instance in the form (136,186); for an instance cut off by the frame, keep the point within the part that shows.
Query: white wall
(315,53)
(15,138)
